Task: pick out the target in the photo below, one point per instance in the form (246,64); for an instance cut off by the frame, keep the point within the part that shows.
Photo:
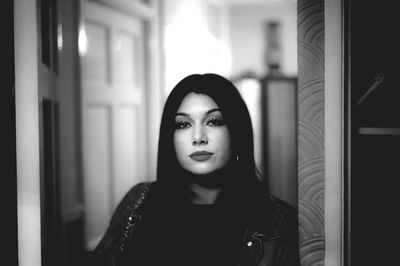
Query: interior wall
(248,40)
(195,39)
(311,131)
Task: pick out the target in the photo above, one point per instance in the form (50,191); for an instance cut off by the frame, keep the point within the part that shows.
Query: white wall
(248,40)
(195,39)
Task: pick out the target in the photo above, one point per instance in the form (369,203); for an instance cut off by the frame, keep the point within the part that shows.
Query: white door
(113,112)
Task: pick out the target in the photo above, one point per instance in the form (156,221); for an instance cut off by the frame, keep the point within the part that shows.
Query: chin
(201,170)
(207,177)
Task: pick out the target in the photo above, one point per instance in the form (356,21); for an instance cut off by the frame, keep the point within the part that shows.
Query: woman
(207,206)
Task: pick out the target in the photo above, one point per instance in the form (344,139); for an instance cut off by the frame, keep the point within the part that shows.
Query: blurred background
(86,81)
(106,68)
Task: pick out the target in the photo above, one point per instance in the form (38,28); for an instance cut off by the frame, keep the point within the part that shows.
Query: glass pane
(95,59)
(125,56)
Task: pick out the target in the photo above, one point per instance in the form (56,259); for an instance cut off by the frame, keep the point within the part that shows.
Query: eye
(182,125)
(215,122)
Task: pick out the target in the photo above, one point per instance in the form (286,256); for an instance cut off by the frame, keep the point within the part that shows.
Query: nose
(199,136)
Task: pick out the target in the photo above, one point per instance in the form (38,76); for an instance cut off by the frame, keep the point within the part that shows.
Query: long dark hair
(237,119)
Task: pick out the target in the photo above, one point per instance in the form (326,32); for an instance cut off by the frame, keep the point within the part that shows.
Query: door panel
(96,61)
(126,150)
(97,169)
(126,55)
(113,106)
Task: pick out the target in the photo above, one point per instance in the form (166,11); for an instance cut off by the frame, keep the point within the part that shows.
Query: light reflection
(59,37)
(82,42)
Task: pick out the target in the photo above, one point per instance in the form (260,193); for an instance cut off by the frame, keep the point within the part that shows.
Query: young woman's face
(201,139)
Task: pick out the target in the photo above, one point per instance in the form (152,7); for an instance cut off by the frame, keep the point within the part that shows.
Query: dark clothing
(141,234)
(194,235)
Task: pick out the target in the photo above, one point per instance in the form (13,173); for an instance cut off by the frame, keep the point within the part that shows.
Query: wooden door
(113,112)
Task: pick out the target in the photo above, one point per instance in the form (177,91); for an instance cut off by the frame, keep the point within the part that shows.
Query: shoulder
(137,193)
(287,241)
(129,204)
(286,215)
(133,198)
(279,219)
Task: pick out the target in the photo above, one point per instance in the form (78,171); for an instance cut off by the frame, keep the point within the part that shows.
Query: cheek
(179,143)
(224,144)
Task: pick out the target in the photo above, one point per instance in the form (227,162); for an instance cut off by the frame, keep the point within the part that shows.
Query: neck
(203,195)
(205,189)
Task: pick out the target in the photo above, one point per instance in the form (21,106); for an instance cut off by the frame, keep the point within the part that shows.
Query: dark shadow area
(374,146)
(9,175)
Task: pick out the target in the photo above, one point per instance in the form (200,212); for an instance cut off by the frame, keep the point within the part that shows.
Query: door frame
(27,132)
(335,134)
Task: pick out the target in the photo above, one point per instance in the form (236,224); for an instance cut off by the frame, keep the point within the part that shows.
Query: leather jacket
(274,242)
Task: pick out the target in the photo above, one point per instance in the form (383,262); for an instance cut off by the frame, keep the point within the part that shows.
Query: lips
(200,155)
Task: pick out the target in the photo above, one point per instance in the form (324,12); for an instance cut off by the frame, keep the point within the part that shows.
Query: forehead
(197,102)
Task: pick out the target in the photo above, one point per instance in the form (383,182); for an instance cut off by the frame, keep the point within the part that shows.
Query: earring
(237,158)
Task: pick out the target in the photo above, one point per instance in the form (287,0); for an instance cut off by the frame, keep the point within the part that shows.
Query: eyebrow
(208,112)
